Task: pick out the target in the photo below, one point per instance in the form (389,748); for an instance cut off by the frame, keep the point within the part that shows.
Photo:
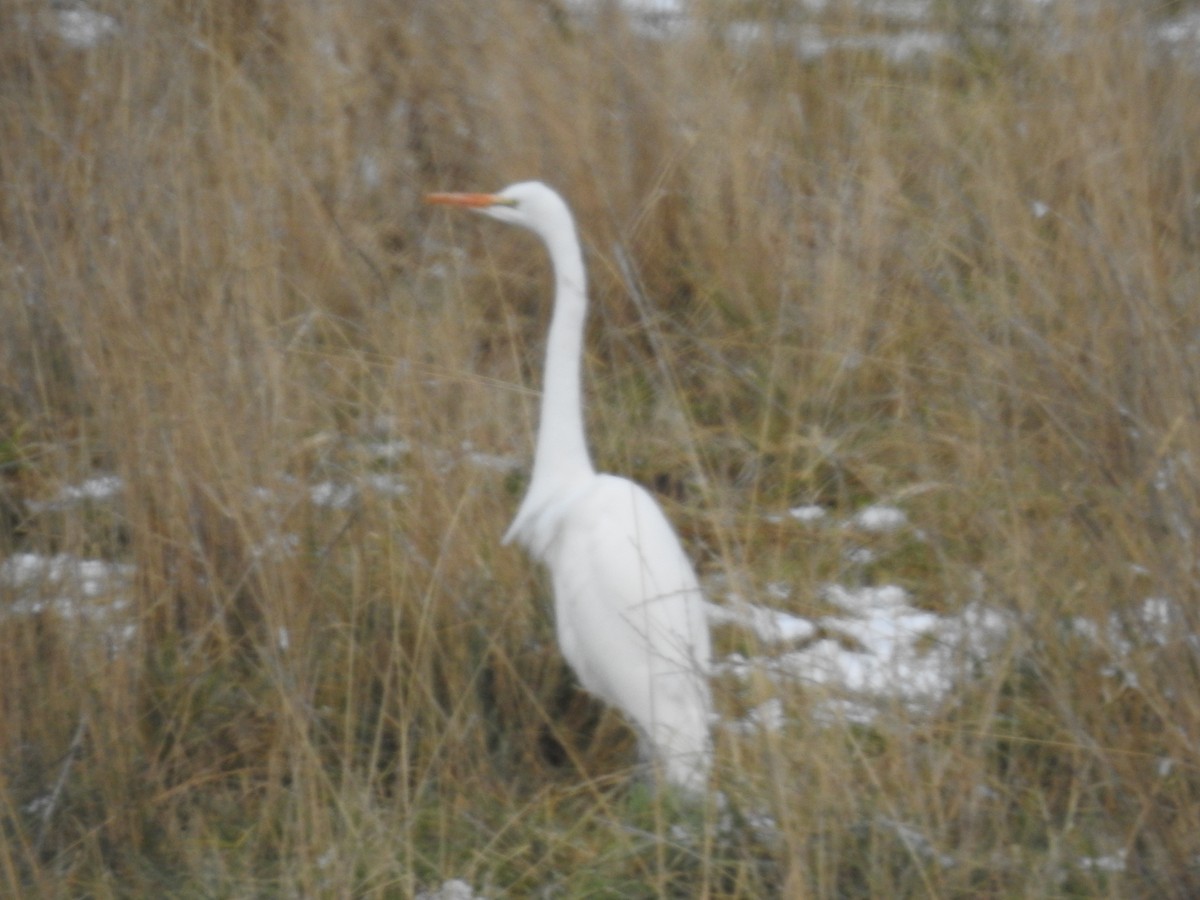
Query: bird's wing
(629,611)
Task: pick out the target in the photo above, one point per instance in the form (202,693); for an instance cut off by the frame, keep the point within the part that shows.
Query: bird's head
(530,204)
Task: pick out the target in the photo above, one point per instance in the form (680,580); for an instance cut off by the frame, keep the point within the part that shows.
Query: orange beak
(469,201)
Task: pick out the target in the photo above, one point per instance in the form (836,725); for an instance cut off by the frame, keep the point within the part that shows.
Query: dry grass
(217,282)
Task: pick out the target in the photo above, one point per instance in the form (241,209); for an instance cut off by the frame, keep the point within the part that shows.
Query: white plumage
(629,614)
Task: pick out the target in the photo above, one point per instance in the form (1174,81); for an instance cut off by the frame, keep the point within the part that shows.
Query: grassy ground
(966,285)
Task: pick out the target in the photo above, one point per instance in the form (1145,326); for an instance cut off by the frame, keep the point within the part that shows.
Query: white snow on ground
(902,31)
(332,494)
(877,650)
(342,494)
(98,489)
(1113,862)
(898,652)
(771,625)
(391,450)
(1179,36)
(91,592)
(808,513)
(84,28)
(1156,621)
(80,579)
(896,47)
(454,889)
(880,518)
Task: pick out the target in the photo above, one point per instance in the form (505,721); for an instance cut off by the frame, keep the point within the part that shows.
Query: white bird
(629,613)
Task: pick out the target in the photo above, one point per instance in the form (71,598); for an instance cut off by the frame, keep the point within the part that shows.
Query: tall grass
(966,285)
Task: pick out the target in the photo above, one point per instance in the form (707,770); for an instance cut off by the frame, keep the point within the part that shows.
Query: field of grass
(301,665)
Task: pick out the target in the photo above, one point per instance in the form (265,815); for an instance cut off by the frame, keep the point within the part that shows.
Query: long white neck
(562,453)
(561,460)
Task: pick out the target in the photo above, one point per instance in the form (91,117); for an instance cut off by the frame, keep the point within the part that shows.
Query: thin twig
(61,783)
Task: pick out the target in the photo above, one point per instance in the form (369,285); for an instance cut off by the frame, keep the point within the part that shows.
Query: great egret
(629,613)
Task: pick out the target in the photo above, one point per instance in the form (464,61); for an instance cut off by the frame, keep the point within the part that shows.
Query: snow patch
(79,591)
(880,518)
(808,514)
(84,28)
(876,649)
(453,889)
(99,489)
